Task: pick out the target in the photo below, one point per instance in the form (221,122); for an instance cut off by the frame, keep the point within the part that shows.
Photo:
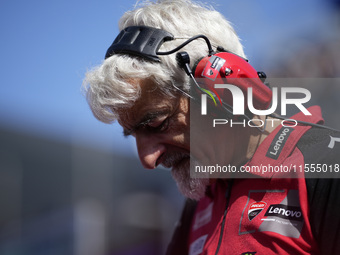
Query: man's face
(161,126)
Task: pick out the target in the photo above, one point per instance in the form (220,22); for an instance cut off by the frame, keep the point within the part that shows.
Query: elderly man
(148,84)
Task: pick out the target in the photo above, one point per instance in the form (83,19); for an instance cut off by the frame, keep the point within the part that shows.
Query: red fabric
(280,225)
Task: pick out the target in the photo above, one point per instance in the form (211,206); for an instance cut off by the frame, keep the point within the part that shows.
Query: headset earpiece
(228,68)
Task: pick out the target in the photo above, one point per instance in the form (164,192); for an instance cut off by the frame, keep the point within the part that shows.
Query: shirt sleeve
(324,199)
(322,146)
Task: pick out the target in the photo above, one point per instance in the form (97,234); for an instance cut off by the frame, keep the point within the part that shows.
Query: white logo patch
(197,246)
(203,217)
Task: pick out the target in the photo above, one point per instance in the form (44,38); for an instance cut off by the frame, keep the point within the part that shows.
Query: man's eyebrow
(148,117)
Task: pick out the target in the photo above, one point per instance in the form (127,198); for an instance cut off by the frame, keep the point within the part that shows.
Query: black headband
(139,41)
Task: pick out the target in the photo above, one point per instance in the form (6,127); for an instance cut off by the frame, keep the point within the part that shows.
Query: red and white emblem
(255,208)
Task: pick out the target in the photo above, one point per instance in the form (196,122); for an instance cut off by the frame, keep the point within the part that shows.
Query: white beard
(193,188)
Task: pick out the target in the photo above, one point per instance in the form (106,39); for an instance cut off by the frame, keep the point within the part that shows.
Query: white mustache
(173,159)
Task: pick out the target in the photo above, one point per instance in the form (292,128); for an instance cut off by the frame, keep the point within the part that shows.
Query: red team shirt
(267,215)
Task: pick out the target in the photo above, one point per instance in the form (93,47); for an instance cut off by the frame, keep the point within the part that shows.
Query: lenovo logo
(285,212)
(278,142)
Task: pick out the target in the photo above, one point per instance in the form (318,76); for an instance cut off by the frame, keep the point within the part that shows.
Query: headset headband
(139,41)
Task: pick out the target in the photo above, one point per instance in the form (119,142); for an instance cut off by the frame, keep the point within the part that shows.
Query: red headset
(229,68)
(224,66)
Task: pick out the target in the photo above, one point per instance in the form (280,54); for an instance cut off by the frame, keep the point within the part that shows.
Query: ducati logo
(255,208)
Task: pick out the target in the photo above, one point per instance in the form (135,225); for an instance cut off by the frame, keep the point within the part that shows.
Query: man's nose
(149,150)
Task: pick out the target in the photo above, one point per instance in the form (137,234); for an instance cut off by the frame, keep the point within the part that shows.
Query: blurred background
(72,185)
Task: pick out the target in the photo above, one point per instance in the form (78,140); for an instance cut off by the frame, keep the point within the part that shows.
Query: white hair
(110,86)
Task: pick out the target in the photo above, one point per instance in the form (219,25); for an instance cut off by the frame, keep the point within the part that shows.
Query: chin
(193,188)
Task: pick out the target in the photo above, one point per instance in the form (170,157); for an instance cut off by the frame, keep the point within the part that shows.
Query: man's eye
(158,125)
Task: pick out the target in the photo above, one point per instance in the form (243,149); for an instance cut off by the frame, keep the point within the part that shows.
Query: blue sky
(47,46)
